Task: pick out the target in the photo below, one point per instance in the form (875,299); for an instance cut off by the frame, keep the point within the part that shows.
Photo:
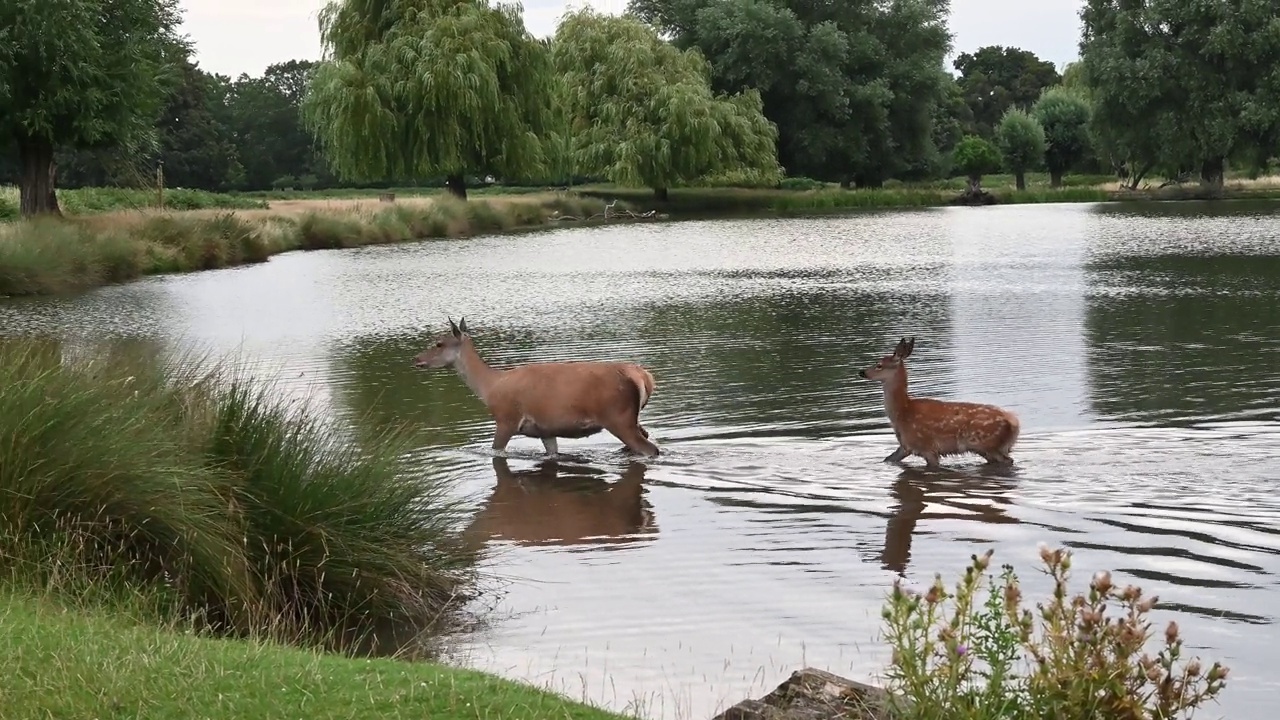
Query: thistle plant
(1073,656)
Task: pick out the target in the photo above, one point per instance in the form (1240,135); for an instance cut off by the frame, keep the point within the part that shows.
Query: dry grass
(52,255)
(1233,185)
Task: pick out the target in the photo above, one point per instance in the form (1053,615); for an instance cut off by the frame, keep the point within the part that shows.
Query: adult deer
(933,428)
(550,400)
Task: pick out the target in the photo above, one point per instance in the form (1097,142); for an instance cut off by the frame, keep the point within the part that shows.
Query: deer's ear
(905,346)
(462,323)
(453,327)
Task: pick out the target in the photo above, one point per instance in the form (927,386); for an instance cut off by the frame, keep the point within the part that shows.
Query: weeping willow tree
(641,112)
(411,89)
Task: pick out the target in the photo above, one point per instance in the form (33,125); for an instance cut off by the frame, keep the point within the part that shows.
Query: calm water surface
(1138,345)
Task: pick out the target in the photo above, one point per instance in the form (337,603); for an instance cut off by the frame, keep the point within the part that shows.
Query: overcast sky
(235,36)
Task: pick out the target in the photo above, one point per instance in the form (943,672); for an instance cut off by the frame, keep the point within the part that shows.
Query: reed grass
(124,476)
(55,255)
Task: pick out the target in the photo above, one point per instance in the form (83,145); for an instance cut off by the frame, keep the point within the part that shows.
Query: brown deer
(933,428)
(550,400)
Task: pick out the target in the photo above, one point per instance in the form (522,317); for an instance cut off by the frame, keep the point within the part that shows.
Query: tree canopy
(974,157)
(82,74)
(995,78)
(640,111)
(1021,141)
(411,89)
(1064,115)
(1183,86)
(853,87)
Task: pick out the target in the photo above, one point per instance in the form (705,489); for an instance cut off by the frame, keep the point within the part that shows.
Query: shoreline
(95,249)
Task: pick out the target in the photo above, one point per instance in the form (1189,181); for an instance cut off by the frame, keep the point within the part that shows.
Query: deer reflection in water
(978,493)
(558,504)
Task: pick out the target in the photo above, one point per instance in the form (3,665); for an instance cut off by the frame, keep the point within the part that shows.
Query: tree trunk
(975,185)
(457,186)
(1020,180)
(37,195)
(1138,176)
(1055,178)
(1211,172)
(660,194)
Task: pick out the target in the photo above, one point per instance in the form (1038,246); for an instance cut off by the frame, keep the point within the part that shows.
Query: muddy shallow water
(1138,344)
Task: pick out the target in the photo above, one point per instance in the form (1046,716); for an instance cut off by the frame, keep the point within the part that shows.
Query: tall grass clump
(126,476)
(341,537)
(1069,658)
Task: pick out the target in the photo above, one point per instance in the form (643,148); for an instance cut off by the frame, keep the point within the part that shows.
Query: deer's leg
(552,448)
(931,460)
(502,433)
(898,455)
(643,432)
(635,438)
(995,457)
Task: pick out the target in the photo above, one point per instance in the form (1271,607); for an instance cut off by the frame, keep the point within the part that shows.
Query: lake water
(1138,344)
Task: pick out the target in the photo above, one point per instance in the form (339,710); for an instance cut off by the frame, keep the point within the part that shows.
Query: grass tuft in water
(122,477)
(1069,658)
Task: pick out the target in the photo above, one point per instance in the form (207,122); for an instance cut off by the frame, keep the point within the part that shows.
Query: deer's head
(445,349)
(890,365)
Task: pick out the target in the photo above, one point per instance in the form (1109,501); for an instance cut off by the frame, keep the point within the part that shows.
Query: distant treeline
(856,93)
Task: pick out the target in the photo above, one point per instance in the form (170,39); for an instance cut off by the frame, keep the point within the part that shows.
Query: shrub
(125,475)
(989,661)
(975,157)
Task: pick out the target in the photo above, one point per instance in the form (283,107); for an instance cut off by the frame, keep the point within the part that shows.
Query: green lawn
(72,664)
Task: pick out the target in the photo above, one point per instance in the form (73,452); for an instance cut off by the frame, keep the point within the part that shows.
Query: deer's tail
(1011,433)
(643,381)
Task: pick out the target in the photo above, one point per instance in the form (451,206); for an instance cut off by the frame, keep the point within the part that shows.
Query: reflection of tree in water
(1146,210)
(148,352)
(1191,336)
(559,504)
(976,495)
(786,360)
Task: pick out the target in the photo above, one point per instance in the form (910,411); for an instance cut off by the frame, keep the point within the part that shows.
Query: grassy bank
(713,201)
(86,201)
(791,203)
(714,196)
(216,502)
(90,665)
(93,248)
(56,255)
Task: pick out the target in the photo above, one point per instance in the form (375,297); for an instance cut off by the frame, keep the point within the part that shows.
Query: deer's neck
(475,372)
(896,399)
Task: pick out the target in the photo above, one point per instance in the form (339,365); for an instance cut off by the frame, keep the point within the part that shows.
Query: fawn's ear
(905,346)
(453,327)
(462,324)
